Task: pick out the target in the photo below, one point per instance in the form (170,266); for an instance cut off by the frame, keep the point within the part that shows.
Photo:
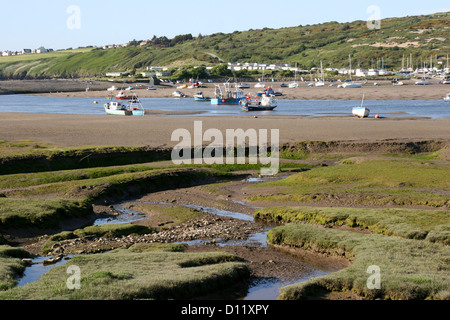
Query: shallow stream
(259,289)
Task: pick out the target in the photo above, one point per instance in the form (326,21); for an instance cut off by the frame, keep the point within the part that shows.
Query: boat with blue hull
(224,96)
(199,96)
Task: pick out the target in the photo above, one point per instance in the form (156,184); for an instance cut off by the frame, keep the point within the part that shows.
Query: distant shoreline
(75,88)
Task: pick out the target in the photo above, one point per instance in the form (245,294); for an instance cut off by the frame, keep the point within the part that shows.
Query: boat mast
(321,68)
(350,59)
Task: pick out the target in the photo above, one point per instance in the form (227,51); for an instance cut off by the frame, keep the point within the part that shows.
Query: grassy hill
(420,36)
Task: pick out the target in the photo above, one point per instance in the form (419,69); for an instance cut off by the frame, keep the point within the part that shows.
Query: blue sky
(31,23)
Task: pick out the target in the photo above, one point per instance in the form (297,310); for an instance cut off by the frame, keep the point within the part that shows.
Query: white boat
(321,82)
(398,83)
(259,85)
(122,96)
(293,85)
(178,94)
(361,112)
(351,84)
(267,103)
(446,81)
(447,98)
(118,108)
(244,86)
(113,88)
(422,83)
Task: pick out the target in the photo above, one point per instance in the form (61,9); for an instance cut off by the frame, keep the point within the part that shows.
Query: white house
(148,74)
(361,73)
(6,53)
(115,74)
(41,50)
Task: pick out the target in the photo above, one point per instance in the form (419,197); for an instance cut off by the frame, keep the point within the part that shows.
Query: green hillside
(422,37)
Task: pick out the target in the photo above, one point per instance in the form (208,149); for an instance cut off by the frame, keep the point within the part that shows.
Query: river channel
(261,288)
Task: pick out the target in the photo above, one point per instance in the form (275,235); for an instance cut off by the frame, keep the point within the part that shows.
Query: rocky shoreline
(208,227)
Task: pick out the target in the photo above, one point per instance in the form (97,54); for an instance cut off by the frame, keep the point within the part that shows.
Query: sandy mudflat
(384,91)
(88,130)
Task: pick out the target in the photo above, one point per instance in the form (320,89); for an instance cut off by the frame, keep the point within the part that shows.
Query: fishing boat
(199,96)
(122,96)
(447,98)
(361,112)
(224,96)
(267,103)
(118,108)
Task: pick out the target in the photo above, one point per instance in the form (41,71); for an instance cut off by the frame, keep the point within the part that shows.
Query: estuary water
(315,108)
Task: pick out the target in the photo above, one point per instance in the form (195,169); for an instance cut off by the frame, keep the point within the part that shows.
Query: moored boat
(422,83)
(178,94)
(293,85)
(226,97)
(118,108)
(447,98)
(244,86)
(122,96)
(351,85)
(199,96)
(361,112)
(267,103)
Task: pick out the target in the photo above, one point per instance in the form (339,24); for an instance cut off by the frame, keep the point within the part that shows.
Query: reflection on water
(218,212)
(38,269)
(269,288)
(127,216)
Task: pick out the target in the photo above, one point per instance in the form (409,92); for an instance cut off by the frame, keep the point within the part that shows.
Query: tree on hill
(221,71)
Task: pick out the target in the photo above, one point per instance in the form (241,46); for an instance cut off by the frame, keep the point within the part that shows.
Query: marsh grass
(11,265)
(39,205)
(410,269)
(163,216)
(377,182)
(129,275)
(430,225)
(19,213)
